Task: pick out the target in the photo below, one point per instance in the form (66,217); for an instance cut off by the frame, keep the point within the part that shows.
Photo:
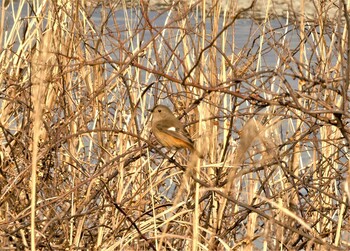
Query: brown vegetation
(80,168)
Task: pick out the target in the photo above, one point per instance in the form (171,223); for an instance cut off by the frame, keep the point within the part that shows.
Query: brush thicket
(80,168)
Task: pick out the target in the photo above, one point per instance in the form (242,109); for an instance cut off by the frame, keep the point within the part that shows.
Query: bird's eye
(159,110)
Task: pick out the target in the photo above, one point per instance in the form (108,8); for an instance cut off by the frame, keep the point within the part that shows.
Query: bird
(169,131)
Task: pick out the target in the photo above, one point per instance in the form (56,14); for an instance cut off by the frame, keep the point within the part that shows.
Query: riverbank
(275,8)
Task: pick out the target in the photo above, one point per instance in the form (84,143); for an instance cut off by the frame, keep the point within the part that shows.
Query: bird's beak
(152,110)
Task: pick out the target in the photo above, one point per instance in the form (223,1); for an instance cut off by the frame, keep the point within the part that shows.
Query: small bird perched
(169,131)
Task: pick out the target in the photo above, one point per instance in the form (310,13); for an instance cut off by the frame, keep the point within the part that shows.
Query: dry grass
(80,168)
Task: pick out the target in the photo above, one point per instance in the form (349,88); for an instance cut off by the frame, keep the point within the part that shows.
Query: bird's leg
(171,159)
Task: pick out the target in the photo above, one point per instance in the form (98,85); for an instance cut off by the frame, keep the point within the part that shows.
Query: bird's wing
(175,131)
